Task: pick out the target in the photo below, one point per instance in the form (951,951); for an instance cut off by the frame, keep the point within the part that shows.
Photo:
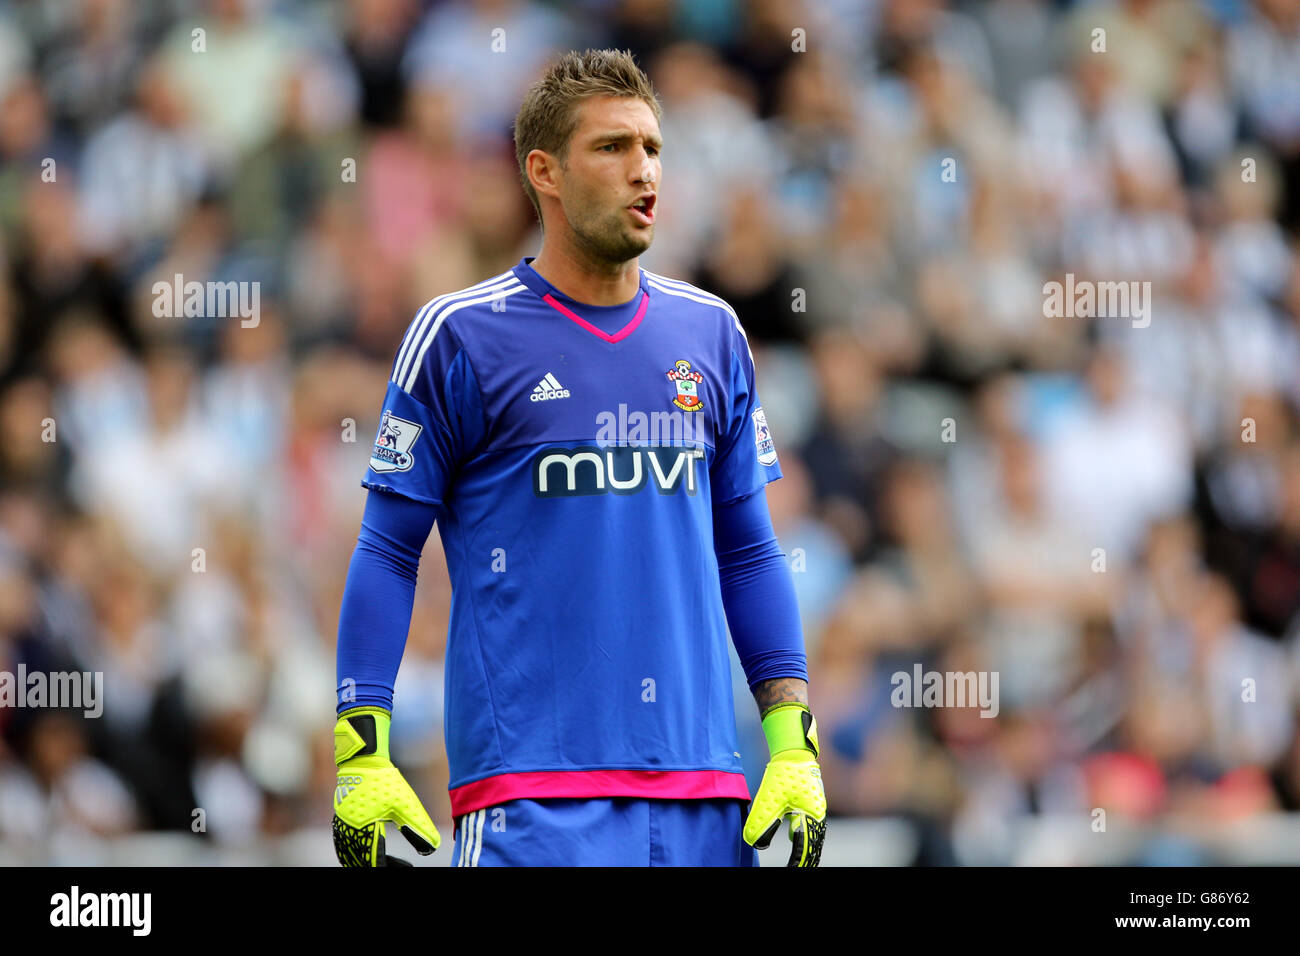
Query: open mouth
(644,209)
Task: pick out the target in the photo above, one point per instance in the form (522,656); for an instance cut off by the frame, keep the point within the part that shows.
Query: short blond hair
(549,114)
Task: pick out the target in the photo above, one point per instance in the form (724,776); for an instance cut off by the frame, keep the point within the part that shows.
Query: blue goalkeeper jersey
(574,455)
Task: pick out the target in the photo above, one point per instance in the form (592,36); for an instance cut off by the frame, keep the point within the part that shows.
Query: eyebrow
(623,136)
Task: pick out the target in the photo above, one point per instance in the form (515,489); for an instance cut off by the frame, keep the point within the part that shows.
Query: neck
(585,280)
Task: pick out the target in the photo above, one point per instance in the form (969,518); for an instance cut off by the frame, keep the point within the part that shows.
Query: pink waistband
(658,784)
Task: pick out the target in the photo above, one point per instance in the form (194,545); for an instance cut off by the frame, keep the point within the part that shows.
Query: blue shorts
(604,831)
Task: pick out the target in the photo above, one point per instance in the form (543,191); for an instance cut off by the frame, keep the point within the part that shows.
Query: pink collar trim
(618,336)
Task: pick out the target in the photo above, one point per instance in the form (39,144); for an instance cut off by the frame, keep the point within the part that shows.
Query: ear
(543,172)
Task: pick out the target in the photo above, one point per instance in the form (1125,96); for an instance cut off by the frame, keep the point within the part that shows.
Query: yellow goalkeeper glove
(791,787)
(371,790)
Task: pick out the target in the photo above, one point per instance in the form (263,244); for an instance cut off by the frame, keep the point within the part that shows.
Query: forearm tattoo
(779,690)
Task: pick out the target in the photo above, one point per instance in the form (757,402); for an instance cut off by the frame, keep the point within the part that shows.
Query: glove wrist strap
(790,726)
(362,732)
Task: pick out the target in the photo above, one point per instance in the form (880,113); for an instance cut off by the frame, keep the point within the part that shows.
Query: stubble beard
(610,241)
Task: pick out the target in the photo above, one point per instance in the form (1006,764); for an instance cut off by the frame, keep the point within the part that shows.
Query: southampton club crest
(688,387)
(393,444)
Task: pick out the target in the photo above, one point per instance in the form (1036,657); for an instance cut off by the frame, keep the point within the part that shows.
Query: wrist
(790,725)
(361,737)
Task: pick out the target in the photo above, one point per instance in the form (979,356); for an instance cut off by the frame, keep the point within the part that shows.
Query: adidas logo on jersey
(549,388)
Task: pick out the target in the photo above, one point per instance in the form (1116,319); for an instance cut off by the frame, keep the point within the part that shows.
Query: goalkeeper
(596,567)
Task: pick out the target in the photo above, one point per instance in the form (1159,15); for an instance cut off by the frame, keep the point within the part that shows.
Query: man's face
(612,166)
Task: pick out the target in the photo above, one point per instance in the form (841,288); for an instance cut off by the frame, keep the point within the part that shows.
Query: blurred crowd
(1104,512)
